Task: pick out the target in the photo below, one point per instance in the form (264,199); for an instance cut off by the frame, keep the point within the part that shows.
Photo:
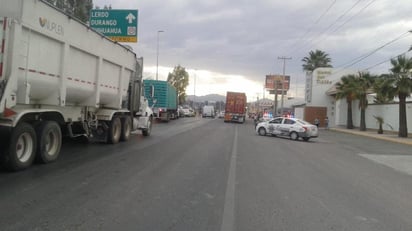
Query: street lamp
(194,88)
(157,54)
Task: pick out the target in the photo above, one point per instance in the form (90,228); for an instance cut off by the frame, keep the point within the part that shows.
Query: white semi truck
(59,77)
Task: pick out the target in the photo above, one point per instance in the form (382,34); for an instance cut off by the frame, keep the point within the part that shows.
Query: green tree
(179,78)
(79,9)
(363,86)
(316,59)
(399,83)
(346,89)
(381,89)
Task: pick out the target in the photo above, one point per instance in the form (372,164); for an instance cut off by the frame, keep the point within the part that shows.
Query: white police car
(289,127)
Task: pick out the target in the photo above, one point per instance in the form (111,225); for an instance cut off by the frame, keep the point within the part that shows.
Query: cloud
(245,38)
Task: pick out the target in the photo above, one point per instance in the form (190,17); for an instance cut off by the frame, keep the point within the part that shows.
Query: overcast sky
(230,45)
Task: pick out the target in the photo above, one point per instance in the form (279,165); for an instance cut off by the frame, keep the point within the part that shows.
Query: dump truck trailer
(59,77)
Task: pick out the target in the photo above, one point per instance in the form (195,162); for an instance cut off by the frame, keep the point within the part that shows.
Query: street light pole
(194,89)
(157,54)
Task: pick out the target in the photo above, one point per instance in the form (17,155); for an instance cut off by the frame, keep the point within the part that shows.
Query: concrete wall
(389,112)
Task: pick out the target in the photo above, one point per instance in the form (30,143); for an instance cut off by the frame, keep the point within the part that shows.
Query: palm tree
(380,87)
(363,86)
(399,83)
(316,59)
(346,89)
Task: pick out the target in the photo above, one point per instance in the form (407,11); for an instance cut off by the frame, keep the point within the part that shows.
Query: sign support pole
(283,81)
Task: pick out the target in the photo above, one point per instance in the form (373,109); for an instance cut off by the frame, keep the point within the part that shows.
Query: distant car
(180,111)
(289,127)
(187,112)
(221,114)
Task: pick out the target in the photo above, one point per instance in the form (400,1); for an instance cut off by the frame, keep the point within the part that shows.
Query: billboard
(274,82)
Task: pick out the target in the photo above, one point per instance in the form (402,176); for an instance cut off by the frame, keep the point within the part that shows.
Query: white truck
(208,111)
(59,77)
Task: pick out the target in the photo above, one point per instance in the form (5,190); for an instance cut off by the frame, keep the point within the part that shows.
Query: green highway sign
(118,25)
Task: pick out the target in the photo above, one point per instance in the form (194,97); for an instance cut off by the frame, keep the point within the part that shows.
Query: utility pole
(275,106)
(283,80)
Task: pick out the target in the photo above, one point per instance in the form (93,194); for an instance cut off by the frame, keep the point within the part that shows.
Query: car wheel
(294,136)
(262,131)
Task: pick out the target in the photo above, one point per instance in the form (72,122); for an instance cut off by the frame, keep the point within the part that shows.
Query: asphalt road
(204,174)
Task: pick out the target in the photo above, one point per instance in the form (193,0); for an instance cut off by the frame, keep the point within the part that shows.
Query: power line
(340,17)
(364,56)
(320,35)
(360,11)
(316,22)
(382,62)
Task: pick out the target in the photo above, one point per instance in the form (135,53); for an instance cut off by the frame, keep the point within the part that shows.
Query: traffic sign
(118,25)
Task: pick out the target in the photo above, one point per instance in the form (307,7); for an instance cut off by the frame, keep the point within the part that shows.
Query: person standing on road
(326,123)
(317,122)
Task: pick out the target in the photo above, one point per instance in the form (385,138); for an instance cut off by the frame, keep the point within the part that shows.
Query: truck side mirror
(152,91)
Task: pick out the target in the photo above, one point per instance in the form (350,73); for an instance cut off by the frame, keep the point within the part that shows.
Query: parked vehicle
(180,111)
(289,127)
(208,111)
(162,98)
(235,110)
(221,114)
(188,112)
(54,83)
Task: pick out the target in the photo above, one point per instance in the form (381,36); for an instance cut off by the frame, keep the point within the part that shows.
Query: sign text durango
(118,25)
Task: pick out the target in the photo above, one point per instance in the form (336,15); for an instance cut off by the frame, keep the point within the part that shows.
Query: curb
(399,140)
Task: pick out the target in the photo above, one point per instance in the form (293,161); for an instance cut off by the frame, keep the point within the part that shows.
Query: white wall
(389,112)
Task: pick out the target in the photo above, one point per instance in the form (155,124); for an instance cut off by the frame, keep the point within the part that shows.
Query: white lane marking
(402,163)
(228,220)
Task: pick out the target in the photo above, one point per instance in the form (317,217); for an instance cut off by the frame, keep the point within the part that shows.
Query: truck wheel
(147,131)
(21,148)
(126,128)
(115,129)
(49,141)
(167,117)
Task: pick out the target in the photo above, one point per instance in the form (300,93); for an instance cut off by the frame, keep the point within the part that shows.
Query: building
(320,102)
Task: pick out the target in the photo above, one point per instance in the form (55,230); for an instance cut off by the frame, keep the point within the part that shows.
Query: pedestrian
(317,122)
(326,123)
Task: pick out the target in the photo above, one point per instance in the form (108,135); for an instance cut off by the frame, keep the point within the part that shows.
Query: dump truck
(162,97)
(59,77)
(235,110)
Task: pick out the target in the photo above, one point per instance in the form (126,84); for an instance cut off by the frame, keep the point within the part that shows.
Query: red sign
(275,82)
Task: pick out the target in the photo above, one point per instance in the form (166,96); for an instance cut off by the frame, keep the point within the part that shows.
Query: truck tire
(49,141)
(20,150)
(115,130)
(126,128)
(146,132)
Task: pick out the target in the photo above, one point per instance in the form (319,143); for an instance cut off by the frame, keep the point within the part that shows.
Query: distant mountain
(211,97)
